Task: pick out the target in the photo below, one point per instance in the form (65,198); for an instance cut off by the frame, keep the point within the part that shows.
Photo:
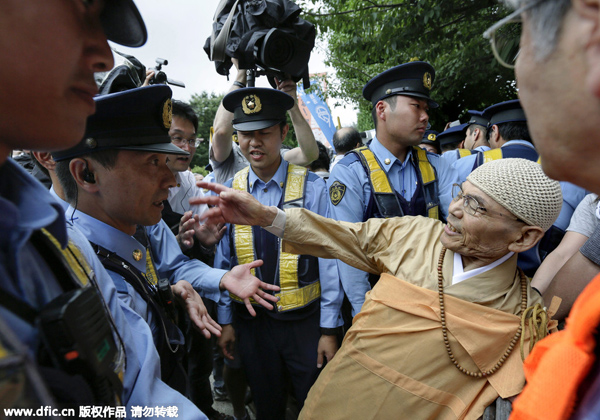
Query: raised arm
(307,150)
(305,232)
(221,141)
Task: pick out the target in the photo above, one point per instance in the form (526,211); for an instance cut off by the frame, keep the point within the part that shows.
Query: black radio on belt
(77,333)
(165,297)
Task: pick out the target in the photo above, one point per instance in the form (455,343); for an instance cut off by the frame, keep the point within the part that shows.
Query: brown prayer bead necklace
(513,342)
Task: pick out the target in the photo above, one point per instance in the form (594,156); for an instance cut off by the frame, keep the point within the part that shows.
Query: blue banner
(316,112)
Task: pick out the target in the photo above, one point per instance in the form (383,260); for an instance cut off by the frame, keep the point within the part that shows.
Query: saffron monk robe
(438,336)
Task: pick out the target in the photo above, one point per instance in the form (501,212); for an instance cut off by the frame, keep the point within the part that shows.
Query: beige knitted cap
(521,187)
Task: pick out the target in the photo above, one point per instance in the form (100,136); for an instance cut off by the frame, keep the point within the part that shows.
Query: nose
(456,208)
(185,146)
(168,177)
(97,53)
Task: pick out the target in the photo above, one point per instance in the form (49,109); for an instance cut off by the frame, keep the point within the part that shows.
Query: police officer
(476,138)
(290,341)
(450,140)
(430,142)
(509,137)
(39,261)
(410,182)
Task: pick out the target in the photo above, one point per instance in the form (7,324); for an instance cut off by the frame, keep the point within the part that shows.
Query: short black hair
(346,139)
(106,158)
(391,101)
(323,161)
(513,131)
(185,111)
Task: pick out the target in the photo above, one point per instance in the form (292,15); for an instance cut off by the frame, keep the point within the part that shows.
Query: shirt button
(387,161)
(265,190)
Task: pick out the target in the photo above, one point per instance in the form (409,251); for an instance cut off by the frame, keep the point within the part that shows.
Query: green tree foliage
(366,37)
(205,104)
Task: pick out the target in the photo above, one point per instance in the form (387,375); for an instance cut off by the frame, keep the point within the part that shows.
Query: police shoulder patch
(336,192)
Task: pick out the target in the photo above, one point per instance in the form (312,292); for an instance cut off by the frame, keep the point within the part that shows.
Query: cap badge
(167,113)
(427,81)
(251,104)
(431,137)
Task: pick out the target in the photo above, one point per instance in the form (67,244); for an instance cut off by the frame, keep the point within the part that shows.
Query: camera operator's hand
(149,75)
(287,86)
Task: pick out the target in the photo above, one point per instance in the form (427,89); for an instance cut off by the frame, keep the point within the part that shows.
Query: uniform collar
(108,237)
(278,179)
(26,206)
(385,157)
(521,142)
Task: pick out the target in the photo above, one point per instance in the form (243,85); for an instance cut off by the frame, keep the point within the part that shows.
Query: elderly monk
(438,336)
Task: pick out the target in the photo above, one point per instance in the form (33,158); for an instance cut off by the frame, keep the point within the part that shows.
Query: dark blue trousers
(276,353)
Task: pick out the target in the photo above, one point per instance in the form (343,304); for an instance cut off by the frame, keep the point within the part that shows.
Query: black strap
(18,307)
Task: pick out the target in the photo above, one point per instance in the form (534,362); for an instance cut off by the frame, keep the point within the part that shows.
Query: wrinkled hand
(233,206)
(149,76)
(226,341)
(207,233)
(287,86)
(186,294)
(328,346)
(185,237)
(244,285)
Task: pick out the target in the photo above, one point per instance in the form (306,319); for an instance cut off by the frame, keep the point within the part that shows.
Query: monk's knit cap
(521,187)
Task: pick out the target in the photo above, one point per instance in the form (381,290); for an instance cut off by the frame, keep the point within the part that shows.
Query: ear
(78,168)
(284,132)
(45,159)
(588,11)
(528,237)
(380,108)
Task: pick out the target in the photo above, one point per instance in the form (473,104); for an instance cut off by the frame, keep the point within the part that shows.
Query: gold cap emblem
(251,104)
(136,254)
(431,137)
(427,81)
(167,113)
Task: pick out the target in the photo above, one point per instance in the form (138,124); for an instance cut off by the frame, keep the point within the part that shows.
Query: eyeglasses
(180,141)
(472,206)
(505,36)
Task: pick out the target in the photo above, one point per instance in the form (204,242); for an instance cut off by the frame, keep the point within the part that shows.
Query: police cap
(410,79)
(430,137)
(504,112)
(452,135)
(477,117)
(137,119)
(123,24)
(257,108)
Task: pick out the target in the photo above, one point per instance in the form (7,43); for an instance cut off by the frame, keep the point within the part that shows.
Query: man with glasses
(508,135)
(558,76)
(438,335)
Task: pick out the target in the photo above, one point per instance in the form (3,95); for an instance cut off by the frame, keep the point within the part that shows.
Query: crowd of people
(409,277)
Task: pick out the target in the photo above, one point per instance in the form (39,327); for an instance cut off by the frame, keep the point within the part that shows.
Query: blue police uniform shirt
(403,178)
(169,261)
(315,200)
(452,156)
(465,165)
(26,206)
